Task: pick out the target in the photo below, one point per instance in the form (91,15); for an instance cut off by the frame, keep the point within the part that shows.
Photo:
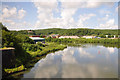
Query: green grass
(20,68)
(51,47)
(82,40)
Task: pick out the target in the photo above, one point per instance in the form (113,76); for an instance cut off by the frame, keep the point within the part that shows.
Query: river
(86,61)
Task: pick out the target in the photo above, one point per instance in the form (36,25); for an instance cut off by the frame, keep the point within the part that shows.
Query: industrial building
(38,39)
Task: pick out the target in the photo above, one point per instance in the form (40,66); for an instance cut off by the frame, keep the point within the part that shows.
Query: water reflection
(78,62)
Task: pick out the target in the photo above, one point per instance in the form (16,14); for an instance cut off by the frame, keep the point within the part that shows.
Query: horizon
(63,28)
(59,14)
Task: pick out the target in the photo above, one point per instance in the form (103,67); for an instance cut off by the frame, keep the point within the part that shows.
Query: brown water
(87,61)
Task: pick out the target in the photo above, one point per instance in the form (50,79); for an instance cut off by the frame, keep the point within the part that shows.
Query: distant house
(89,37)
(34,36)
(68,37)
(54,35)
(30,31)
(37,36)
(37,39)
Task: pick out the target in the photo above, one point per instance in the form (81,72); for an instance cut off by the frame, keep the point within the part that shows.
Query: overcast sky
(59,14)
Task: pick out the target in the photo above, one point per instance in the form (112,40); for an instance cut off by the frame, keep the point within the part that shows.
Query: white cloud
(67,56)
(110,24)
(104,11)
(111,49)
(13,25)
(11,17)
(83,53)
(87,4)
(46,19)
(104,18)
(45,15)
(21,13)
(86,17)
(83,18)
(7,21)
(12,13)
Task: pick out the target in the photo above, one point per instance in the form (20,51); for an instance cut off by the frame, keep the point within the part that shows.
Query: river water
(86,61)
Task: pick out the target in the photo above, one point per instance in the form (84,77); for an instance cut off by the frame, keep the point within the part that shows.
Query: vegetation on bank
(82,40)
(35,50)
(20,68)
(40,49)
(25,49)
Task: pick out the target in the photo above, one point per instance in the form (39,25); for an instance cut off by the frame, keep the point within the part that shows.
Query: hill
(78,32)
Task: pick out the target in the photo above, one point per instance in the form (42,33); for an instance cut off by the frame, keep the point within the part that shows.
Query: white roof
(36,38)
(68,37)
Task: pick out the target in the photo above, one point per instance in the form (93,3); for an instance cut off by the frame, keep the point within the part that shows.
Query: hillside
(78,32)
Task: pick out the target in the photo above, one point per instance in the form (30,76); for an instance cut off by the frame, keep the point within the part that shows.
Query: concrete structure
(89,37)
(114,36)
(98,37)
(37,39)
(8,57)
(68,37)
(106,36)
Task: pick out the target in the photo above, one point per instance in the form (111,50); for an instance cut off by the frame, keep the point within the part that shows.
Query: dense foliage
(9,40)
(82,40)
(78,32)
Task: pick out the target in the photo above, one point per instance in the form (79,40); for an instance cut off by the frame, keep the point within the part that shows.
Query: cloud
(83,53)
(13,25)
(109,24)
(83,18)
(104,11)
(9,12)
(46,18)
(8,21)
(104,18)
(86,16)
(21,13)
(67,56)
(111,49)
(12,13)
(45,10)
(11,17)
(45,13)
(87,4)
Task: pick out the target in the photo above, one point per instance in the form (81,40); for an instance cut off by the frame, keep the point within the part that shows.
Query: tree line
(71,32)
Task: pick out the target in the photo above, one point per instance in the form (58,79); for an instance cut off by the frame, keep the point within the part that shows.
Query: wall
(8,58)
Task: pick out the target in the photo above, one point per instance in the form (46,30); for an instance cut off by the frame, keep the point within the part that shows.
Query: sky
(59,14)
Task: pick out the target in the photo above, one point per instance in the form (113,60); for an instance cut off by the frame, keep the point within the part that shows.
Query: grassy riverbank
(40,49)
(110,42)
(26,52)
(36,51)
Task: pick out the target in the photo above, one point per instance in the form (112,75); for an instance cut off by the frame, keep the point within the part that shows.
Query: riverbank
(111,42)
(37,52)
